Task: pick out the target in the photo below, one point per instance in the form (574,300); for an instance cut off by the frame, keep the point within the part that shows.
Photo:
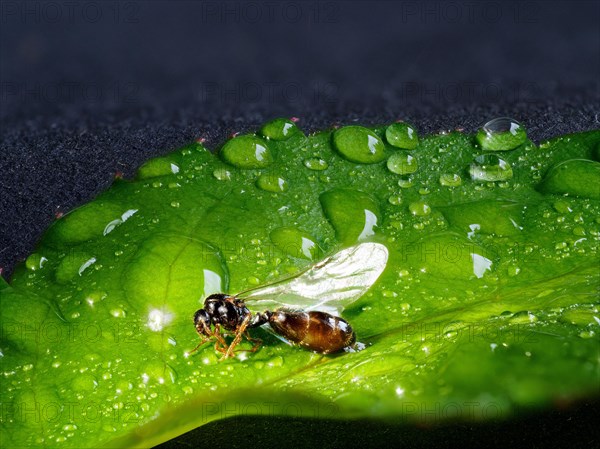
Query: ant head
(202,321)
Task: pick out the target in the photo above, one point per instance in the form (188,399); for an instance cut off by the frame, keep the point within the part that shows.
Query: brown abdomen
(317,331)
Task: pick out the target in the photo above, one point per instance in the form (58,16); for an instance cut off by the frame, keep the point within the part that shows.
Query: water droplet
(579,177)
(406,182)
(419,208)
(35,262)
(501,134)
(395,200)
(402,163)
(222,174)
(316,163)
(562,206)
(247,152)
(450,180)
(587,334)
(295,242)
(489,167)
(272,183)
(359,144)
(160,166)
(279,129)
(402,135)
(174,203)
(353,214)
(523,317)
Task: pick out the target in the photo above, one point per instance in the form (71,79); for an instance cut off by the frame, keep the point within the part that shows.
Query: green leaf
(488,305)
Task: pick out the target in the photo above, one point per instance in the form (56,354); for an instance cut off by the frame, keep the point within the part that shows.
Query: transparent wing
(329,285)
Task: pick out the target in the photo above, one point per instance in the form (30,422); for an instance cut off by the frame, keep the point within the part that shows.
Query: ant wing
(329,285)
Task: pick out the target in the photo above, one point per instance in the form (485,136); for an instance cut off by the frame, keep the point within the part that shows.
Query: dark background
(91,88)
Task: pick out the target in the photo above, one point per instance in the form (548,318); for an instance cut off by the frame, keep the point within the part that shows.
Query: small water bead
(402,163)
(450,180)
(159,166)
(402,135)
(247,152)
(405,183)
(489,167)
(316,164)
(501,134)
(279,129)
(419,208)
(175,204)
(272,183)
(395,200)
(222,174)
(359,144)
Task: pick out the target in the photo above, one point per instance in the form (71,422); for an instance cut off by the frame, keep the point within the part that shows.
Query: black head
(202,321)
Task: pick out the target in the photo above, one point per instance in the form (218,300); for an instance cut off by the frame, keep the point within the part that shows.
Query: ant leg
(238,336)
(257,342)
(203,341)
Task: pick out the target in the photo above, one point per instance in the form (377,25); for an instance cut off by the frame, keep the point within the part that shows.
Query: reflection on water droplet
(450,180)
(402,135)
(272,183)
(489,167)
(501,134)
(222,174)
(402,163)
(359,144)
(316,164)
(247,152)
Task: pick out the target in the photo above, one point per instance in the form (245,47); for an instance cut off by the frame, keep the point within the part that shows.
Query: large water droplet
(402,163)
(271,183)
(353,214)
(579,177)
(247,152)
(35,262)
(402,135)
(295,242)
(501,134)
(489,167)
(279,129)
(359,144)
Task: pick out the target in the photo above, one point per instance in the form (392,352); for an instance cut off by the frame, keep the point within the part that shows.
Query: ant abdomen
(314,330)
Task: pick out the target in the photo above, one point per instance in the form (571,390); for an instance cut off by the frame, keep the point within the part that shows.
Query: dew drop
(35,262)
(489,167)
(501,134)
(359,144)
(316,164)
(279,129)
(247,152)
(295,242)
(402,135)
(419,208)
(450,180)
(402,163)
(406,182)
(272,183)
